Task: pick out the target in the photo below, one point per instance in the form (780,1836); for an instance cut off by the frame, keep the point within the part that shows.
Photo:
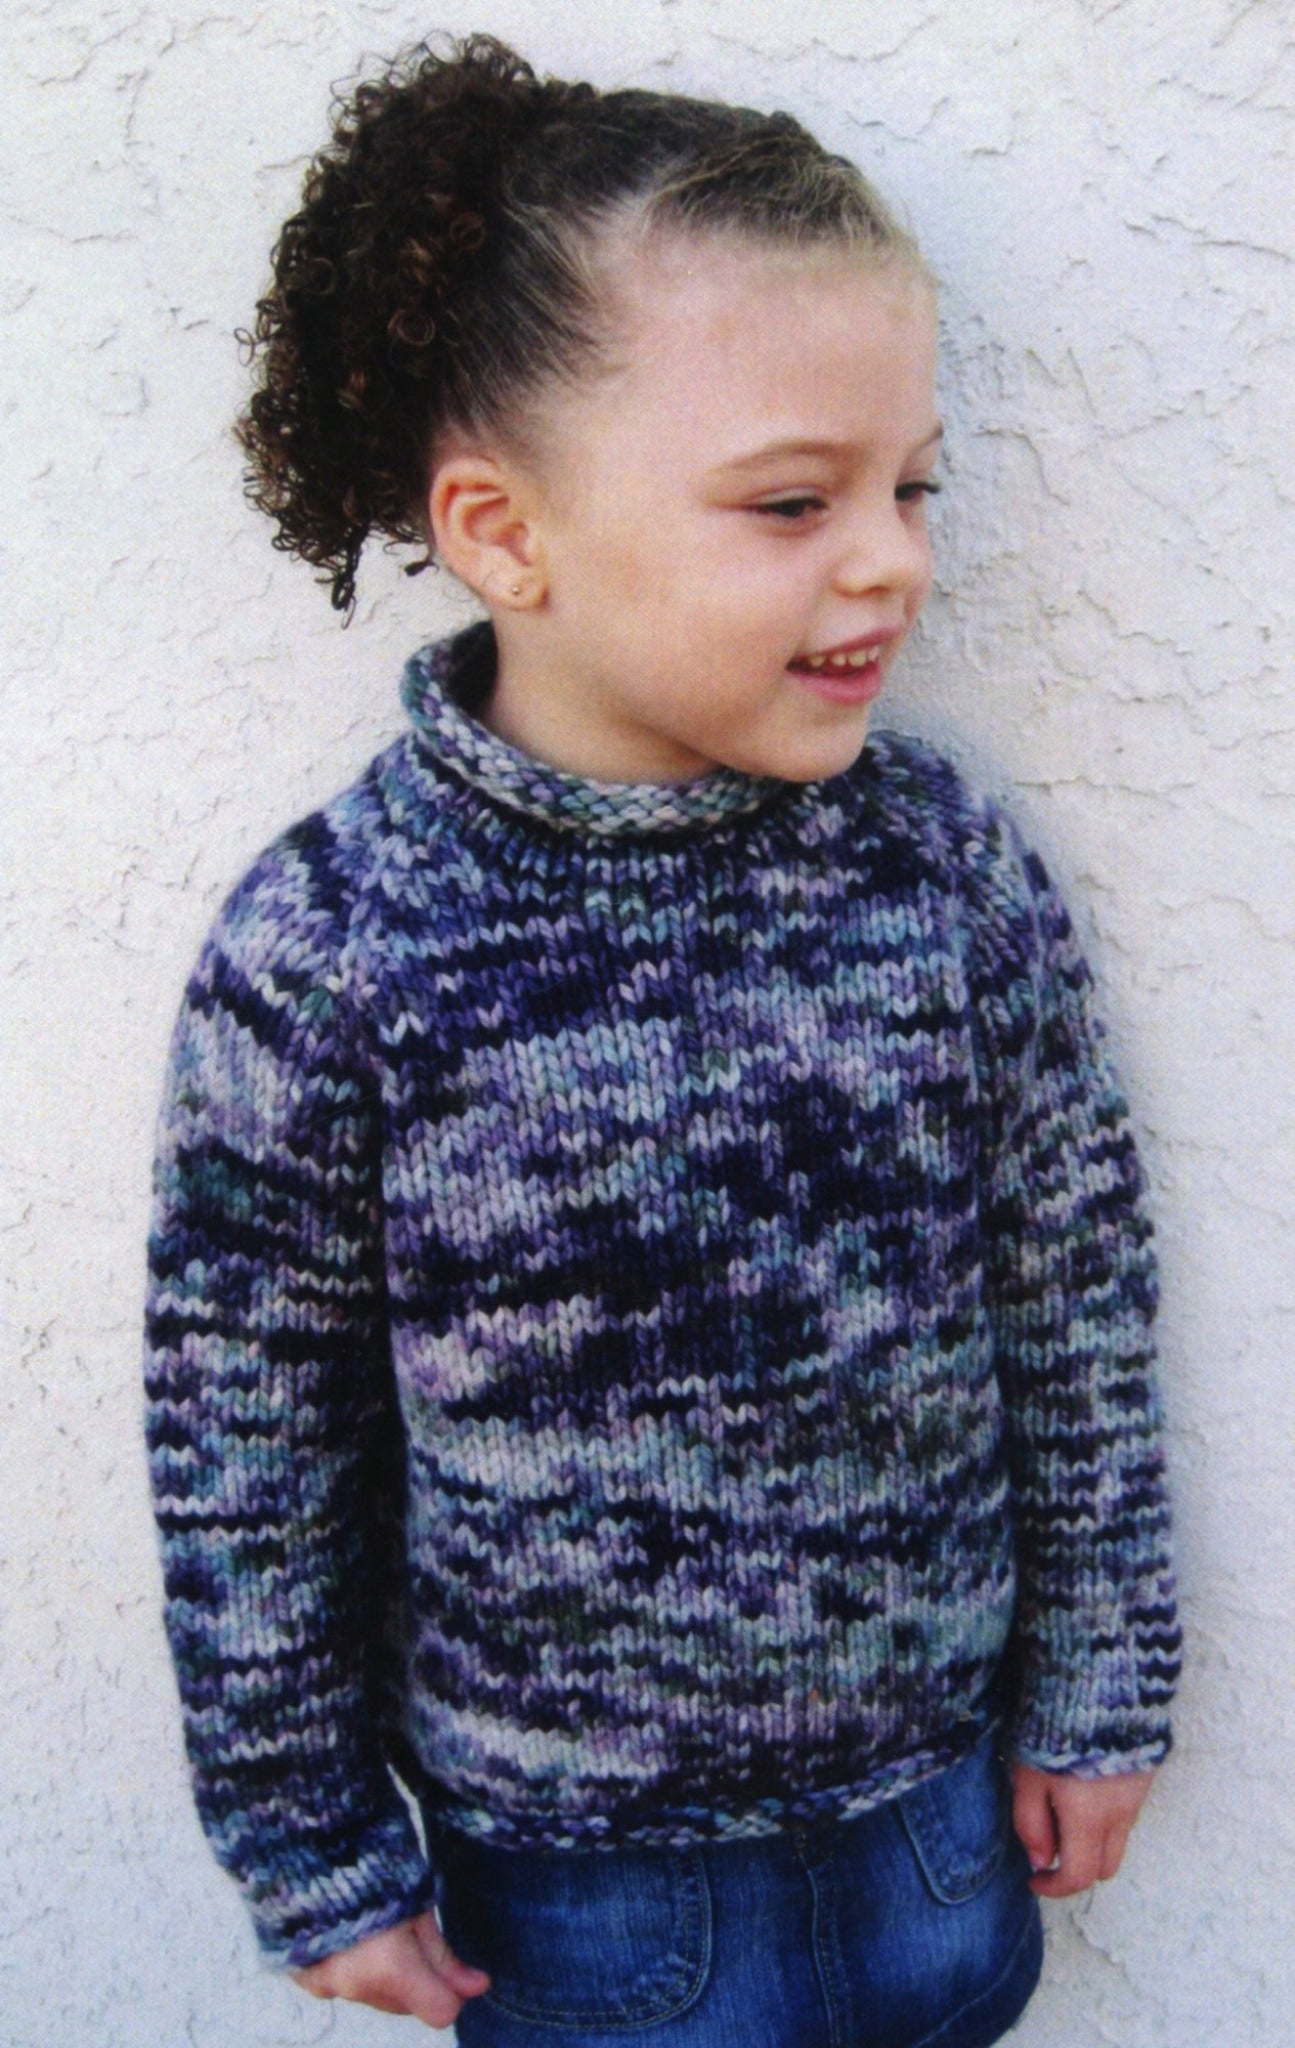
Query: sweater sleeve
(1071,1288)
(271,1424)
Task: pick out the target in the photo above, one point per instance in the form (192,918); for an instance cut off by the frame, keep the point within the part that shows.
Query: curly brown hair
(438,272)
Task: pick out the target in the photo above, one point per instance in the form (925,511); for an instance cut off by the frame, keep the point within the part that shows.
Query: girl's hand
(408,1969)
(1074,1829)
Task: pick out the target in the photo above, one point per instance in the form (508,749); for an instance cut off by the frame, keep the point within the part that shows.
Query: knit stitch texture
(649,1320)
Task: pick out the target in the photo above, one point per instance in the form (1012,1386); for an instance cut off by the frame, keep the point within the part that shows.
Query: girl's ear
(484,529)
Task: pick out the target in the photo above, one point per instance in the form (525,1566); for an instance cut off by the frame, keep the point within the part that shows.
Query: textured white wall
(1105,187)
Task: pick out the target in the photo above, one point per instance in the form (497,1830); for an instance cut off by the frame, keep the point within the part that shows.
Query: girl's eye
(792,509)
(924,487)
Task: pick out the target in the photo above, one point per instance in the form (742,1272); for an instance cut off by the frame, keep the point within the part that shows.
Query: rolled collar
(442,677)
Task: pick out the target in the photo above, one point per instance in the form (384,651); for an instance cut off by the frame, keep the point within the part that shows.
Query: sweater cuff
(1088,1715)
(317,1900)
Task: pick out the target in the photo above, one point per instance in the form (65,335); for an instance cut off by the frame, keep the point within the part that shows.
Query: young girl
(650,1299)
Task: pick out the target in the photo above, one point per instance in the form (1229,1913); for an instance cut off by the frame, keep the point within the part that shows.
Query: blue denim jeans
(911,1927)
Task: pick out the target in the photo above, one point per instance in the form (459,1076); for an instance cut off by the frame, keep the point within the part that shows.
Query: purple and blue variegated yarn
(650,1291)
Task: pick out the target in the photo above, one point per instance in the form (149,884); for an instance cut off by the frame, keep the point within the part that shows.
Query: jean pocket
(580,1938)
(959,1823)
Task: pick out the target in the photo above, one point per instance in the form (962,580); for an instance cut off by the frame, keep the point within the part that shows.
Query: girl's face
(731,524)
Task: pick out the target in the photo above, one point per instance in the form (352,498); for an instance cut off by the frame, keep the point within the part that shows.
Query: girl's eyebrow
(798,446)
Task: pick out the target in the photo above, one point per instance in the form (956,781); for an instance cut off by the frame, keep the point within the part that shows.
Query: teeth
(858,657)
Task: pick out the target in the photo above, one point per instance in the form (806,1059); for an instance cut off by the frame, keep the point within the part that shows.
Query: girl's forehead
(689,270)
(720,350)
(723,296)
(707,321)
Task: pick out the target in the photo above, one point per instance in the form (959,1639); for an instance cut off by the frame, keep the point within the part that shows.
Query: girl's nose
(889,551)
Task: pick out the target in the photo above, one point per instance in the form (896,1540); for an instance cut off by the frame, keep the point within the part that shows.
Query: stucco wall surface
(1105,190)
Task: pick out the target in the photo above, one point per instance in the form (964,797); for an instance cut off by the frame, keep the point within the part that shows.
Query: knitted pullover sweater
(648,1322)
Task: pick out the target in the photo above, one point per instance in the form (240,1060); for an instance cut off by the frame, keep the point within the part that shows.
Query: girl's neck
(530,707)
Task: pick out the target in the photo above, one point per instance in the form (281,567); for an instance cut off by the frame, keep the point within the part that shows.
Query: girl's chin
(817,756)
